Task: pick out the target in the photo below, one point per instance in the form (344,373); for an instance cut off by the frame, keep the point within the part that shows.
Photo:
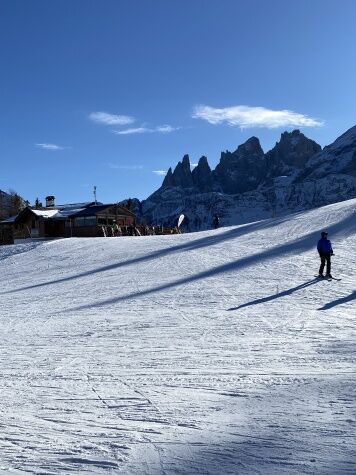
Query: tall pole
(95,194)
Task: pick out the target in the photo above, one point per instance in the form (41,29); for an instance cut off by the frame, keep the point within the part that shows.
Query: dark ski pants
(325,258)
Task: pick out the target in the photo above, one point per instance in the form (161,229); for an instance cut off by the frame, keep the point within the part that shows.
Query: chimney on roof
(49,201)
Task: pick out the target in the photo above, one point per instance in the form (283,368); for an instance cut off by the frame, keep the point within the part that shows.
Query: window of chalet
(85,221)
(90,221)
(79,222)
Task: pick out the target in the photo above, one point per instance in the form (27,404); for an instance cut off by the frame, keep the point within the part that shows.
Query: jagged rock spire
(248,167)
(182,175)
(294,149)
(168,179)
(241,170)
(201,175)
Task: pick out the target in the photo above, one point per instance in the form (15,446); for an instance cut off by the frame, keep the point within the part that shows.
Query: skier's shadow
(277,295)
(336,302)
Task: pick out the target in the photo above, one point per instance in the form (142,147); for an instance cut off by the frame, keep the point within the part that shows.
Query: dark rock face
(168,179)
(248,184)
(293,150)
(245,169)
(242,170)
(202,177)
(182,175)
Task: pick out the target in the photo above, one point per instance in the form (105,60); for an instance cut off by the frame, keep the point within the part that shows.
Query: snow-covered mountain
(248,184)
(214,353)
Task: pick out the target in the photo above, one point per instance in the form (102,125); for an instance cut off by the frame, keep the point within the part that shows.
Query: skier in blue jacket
(325,252)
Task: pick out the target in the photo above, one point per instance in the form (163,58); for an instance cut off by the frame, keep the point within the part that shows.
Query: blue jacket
(324,246)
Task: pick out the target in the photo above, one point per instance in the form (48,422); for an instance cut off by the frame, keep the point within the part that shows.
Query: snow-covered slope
(210,353)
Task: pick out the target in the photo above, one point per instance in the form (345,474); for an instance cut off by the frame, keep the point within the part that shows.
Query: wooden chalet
(72,220)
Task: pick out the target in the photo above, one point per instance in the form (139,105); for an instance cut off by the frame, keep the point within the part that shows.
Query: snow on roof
(45,213)
(8,220)
(75,205)
(66,212)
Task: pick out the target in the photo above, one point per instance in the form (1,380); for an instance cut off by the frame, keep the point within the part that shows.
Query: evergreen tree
(17,203)
(38,204)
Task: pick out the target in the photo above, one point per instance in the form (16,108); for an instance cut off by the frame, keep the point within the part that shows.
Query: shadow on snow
(278,295)
(336,302)
(305,243)
(188,246)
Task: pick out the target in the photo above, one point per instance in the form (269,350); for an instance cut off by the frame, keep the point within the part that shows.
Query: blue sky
(108,92)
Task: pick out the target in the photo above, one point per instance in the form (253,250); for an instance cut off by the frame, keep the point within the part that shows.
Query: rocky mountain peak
(241,170)
(168,179)
(345,140)
(293,150)
(244,185)
(339,157)
(251,147)
(186,161)
(203,161)
(182,175)
(201,175)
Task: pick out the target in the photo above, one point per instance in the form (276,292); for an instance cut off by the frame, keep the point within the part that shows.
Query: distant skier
(115,228)
(325,252)
(216,221)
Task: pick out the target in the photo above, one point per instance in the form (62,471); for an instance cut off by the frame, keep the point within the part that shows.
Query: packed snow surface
(208,353)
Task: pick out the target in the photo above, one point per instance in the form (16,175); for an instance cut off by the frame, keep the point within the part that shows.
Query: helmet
(324,234)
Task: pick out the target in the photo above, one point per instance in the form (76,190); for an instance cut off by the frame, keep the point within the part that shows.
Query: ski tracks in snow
(246,371)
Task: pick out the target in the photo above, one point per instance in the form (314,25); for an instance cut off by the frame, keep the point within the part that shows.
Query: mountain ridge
(296,174)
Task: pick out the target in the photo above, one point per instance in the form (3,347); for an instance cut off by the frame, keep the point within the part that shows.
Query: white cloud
(160,172)
(136,130)
(110,119)
(166,129)
(49,146)
(246,117)
(162,129)
(193,165)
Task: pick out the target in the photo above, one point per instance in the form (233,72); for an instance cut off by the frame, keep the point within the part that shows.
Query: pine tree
(38,204)
(17,204)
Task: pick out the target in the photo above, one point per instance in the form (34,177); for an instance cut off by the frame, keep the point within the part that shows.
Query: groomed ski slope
(208,353)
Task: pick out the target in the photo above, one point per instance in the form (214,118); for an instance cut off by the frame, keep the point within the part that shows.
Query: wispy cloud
(160,172)
(49,146)
(166,129)
(161,129)
(111,119)
(247,117)
(115,166)
(135,130)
